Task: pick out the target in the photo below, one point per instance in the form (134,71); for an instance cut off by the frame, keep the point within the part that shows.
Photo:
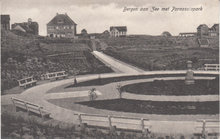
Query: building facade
(214,30)
(28,27)
(61,26)
(202,30)
(5,22)
(118,31)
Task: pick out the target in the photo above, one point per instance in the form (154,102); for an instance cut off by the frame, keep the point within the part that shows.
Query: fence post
(203,129)
(26,107)
(142,125)
(80,119)
(39,108)
(110,121)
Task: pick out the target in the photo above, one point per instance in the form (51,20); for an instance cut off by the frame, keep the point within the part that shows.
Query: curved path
(38,95)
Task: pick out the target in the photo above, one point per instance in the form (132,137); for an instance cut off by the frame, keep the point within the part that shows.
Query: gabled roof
(66,20)
(215,27)
(202,25)
(119,28)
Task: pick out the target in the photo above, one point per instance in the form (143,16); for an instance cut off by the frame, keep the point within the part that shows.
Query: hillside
(161,53)
(25,55)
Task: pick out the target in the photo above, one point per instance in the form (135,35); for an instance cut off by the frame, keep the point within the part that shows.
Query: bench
(207,127)
(27,82)
(30,107)
(54,75)
(119,122)
(211,67)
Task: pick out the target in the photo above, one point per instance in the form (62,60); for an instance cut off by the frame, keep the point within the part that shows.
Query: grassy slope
(27,55)
(159,53)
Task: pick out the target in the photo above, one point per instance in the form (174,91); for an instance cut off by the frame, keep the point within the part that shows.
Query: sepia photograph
(119,69)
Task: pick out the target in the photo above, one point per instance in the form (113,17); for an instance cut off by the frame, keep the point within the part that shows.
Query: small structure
(118,31)
(61,26)
(28,27)
(27,82)
(187,34)
(5,22)
(189,79)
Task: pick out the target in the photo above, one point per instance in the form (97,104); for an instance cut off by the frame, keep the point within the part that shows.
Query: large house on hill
(5,22)
(61,26)
(28,27)
(202,30)
(118,31)
(214,30)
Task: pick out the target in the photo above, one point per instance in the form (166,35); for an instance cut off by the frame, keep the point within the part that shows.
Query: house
(5,22)
(28,27)
(214,30)
(61,26)
(118,31)
(202,30)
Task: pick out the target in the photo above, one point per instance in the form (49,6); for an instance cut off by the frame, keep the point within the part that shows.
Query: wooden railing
(29,107)
(208,126)
(119,122)
(54,75)
(211,67)
(27,82)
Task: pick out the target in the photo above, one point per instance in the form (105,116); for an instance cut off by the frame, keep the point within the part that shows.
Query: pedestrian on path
(92,94)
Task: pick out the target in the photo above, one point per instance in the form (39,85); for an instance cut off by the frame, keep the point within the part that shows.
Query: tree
(166,34)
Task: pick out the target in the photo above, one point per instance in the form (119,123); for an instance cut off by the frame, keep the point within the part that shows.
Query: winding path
(38,95)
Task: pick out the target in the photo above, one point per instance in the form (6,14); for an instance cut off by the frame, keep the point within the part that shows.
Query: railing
(120,122)
(211,67)
(29,107)
(27,82)
(208,126)
(54,75)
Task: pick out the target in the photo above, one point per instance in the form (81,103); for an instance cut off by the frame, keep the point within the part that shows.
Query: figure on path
(92,94)
(119,90)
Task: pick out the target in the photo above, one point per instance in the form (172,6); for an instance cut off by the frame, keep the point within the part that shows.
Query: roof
(215,27)
(119,28)
(202,25)
(5,18)
(64,17)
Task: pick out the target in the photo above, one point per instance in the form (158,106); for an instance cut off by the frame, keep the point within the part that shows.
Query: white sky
(97,16)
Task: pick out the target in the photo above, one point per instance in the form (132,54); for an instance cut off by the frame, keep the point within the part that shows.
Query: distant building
(188,34)
(202,30)
(118,31)
(214,30)
(84,32)
(166,34)
(28,27)
(5,22)
(61,26)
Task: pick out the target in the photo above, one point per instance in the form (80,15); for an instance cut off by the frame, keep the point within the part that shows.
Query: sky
(96,16)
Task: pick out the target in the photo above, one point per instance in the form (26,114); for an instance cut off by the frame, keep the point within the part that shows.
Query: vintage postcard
(119,69)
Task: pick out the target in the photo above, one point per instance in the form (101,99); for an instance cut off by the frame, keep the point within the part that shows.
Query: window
(60,21)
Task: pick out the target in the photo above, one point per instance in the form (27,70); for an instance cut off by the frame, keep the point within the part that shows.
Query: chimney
(57,13)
